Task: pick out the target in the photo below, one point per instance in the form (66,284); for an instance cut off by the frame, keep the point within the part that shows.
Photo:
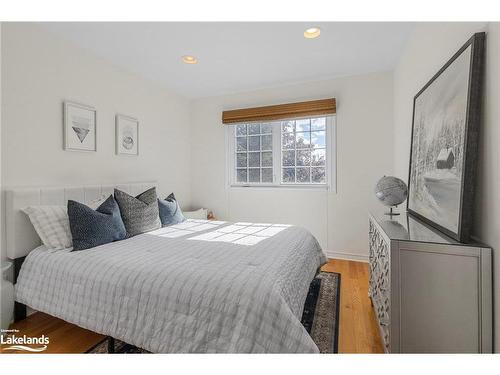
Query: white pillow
(202,213)
(52,225)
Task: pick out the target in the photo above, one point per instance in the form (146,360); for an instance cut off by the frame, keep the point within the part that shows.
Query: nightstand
(7,296)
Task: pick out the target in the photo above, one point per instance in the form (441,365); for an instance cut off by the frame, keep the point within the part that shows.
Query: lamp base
(392,213)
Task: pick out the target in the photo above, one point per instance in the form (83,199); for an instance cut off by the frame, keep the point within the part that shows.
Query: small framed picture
(127,135)
(79,127)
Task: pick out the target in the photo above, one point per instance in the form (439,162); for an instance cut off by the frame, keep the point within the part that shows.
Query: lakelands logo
(22,343)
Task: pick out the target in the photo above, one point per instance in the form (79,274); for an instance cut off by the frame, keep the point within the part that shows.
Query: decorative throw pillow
(202,213)
(91,228)
(97,202)
(170,211)
(140,213)
(51,223)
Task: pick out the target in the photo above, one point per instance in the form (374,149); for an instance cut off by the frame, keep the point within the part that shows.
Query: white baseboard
(347,256)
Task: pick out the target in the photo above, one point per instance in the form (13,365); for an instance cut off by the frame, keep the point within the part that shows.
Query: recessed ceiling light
(312,32)
(189,59)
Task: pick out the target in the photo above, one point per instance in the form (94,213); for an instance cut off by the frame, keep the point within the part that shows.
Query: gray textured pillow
(139,214)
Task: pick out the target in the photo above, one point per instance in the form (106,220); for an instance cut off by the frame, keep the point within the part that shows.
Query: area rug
(320,318)
(321,311)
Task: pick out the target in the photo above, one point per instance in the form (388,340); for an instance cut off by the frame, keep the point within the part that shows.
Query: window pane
(266,128)
(319,157)
(288,140)
(241,130)
(267,159)
(254,143)
(303,125)
(303,140)
(303,174)
(267,175)
(267,142)
(318,123)
(254,129)
(288,126)
(254,175)
(241,144)
(318,139)
(241,175)
(304,157)
(318,175)
(241,160)
(288,158)
(254,159)
(288,174)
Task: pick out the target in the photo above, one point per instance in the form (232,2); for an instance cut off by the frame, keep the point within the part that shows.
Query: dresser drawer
(379,288)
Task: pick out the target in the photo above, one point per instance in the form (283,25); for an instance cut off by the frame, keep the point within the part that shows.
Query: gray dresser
(430,293)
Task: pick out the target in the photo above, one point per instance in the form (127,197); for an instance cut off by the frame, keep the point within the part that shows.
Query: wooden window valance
(280,111)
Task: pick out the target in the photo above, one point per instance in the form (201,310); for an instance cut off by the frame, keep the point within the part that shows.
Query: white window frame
(331,159)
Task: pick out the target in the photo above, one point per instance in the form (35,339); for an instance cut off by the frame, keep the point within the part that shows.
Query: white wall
(2,256)
(364,153)
(39,71)
(427,51)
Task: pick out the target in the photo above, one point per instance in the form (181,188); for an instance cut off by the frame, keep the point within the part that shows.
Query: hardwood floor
(64,337)
(358,327)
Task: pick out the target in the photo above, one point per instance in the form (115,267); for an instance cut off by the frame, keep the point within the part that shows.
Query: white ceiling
(242,56)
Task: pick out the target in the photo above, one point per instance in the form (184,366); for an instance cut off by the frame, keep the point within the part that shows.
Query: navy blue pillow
(170,212)
(91,228)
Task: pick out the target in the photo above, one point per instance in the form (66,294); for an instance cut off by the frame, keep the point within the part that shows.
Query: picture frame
(79,127)
(126,135)
(444,143)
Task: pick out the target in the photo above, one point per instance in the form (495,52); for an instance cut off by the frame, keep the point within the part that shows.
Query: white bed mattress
(199,286)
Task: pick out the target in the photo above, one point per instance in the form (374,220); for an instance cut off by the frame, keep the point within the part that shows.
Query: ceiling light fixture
(189,59)
(312,32)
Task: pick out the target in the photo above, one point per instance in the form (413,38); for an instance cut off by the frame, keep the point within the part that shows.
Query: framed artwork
(444,143)
(80,123)
(127,135)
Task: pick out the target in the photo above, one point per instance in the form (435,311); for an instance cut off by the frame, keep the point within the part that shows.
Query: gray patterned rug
(320,318)
(321,311)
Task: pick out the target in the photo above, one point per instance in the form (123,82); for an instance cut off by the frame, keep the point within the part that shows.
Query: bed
(195,287)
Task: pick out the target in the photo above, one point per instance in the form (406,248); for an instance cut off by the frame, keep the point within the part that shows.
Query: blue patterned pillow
(170,211)
(91,228)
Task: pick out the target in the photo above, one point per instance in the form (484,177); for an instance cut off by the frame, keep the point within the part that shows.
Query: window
(282,153)
(303,151)
(254,153)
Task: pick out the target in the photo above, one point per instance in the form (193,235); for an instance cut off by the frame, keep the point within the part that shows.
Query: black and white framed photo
(444,144)
(80,123)
(127,135)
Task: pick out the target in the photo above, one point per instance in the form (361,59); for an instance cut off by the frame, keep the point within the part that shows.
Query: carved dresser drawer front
(379,288)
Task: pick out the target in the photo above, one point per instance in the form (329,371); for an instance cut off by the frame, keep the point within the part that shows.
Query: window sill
(280,187)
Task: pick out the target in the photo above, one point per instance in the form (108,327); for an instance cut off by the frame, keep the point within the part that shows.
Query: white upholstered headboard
(20,235)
